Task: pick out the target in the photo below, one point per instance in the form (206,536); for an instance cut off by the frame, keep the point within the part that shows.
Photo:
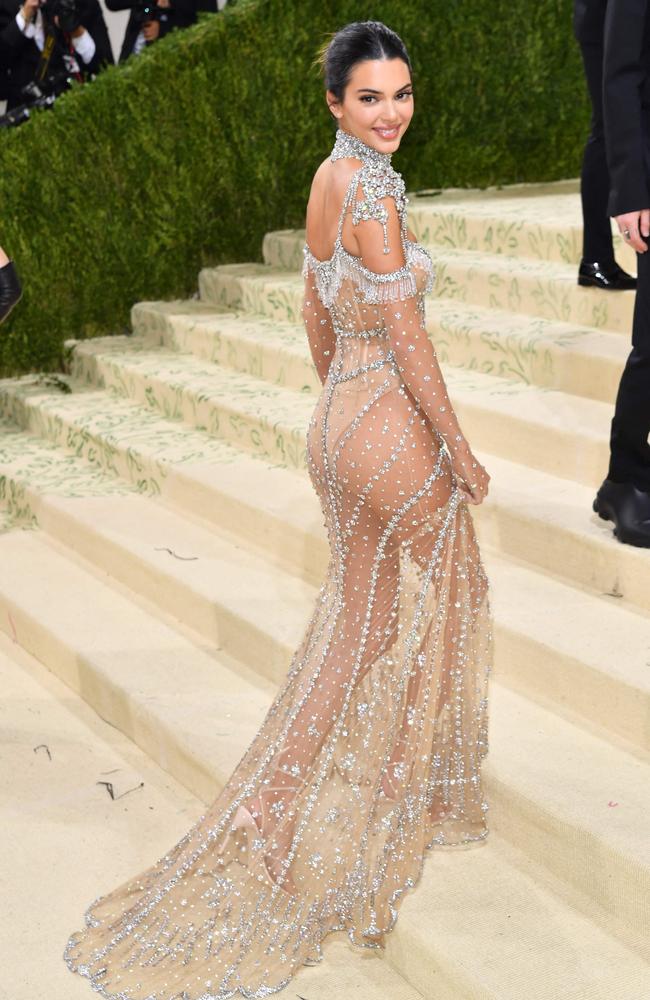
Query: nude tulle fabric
(371,751)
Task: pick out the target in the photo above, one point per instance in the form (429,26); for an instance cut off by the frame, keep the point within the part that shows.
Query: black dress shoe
(628,508)
(10,289)
(608,276)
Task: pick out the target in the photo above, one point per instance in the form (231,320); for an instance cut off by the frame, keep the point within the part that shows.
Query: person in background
(10,288)
(598,267)
(152,20)
(25,28)
(624,496)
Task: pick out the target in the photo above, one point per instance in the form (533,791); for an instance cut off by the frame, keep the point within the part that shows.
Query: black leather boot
(10,289)
(628,508)
(611,277)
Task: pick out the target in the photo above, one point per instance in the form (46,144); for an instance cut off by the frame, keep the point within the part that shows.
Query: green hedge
(188,154)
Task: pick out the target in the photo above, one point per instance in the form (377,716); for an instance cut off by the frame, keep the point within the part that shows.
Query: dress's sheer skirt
(371,751)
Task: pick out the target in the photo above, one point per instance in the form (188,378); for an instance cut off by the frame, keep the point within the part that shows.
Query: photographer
(152,19)
(56,39)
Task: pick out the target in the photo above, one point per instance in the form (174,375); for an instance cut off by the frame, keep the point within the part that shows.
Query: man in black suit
(598,267)
(170,14)
(624,497)
(34,45)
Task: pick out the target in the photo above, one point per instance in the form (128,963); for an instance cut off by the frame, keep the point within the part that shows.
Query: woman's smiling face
(377,104)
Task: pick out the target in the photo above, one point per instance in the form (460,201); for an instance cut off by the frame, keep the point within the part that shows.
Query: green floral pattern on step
(112,434)
(477,342)
(255,415)
(523,285)
(30,466)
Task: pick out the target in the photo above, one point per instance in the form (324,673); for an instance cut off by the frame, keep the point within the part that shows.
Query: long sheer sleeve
(317,320)
(384,258)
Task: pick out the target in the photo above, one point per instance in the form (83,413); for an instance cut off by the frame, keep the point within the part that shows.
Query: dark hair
(353,44)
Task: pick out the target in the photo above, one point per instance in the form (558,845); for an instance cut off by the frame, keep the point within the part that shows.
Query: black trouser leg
(594,181)
(630,452)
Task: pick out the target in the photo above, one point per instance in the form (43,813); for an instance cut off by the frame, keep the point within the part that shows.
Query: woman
(10,290)
(371,751)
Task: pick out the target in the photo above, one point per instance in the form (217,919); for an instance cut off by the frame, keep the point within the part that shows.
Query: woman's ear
(333,104)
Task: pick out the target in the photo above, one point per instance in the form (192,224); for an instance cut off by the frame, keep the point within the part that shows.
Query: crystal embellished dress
(371,752)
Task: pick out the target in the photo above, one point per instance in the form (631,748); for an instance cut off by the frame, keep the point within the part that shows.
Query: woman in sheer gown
(371,751)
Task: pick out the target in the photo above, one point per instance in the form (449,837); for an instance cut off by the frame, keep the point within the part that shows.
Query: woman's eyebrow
(369,90)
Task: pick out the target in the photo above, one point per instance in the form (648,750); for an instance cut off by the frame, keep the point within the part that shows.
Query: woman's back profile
(371,751)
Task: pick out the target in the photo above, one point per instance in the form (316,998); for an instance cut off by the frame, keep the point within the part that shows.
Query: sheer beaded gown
(371,751)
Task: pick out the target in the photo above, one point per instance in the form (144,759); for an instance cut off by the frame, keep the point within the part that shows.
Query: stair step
(491,931)
(165,693)
(540,288)
(254,414)
(242,594)
(557,433)
(253,345)
(101,841)
(543,222)
(64,836)
(214,585)
(543,225)
(128,664)
(540,352)
(529,514)
(572,802)
(545,519)
(530,350)
(549,523)
(534,288)
(249,503)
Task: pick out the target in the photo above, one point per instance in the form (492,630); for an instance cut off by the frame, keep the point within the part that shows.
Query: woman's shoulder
(334,176)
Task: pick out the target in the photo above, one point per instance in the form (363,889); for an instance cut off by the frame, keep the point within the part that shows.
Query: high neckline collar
(347,144)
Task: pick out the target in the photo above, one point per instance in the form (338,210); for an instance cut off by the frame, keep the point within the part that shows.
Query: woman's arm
(414,353)
(318,324)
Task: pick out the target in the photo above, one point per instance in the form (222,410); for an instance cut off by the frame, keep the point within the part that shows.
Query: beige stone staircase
(162,547)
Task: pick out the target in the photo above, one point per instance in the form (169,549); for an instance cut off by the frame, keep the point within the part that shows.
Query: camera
(67,12)
(36,95)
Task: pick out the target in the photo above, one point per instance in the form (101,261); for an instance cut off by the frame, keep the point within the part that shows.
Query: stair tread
(497,263)
(145,656)
(471,899)
(205,563)
(547,406)
(480,913)
(122,421)
(29,459)
(499,322)
(561,503)
(535,203)
(255,589)
(203,379)
(530,284)
(606,626)
(39,709)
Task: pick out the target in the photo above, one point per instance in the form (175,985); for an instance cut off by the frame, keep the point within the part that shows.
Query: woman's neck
(347,144)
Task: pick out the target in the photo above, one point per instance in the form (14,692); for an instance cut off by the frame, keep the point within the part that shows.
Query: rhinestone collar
(347,144)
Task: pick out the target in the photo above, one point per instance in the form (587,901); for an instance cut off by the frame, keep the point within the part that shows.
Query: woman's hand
(470,474)
(632,226)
